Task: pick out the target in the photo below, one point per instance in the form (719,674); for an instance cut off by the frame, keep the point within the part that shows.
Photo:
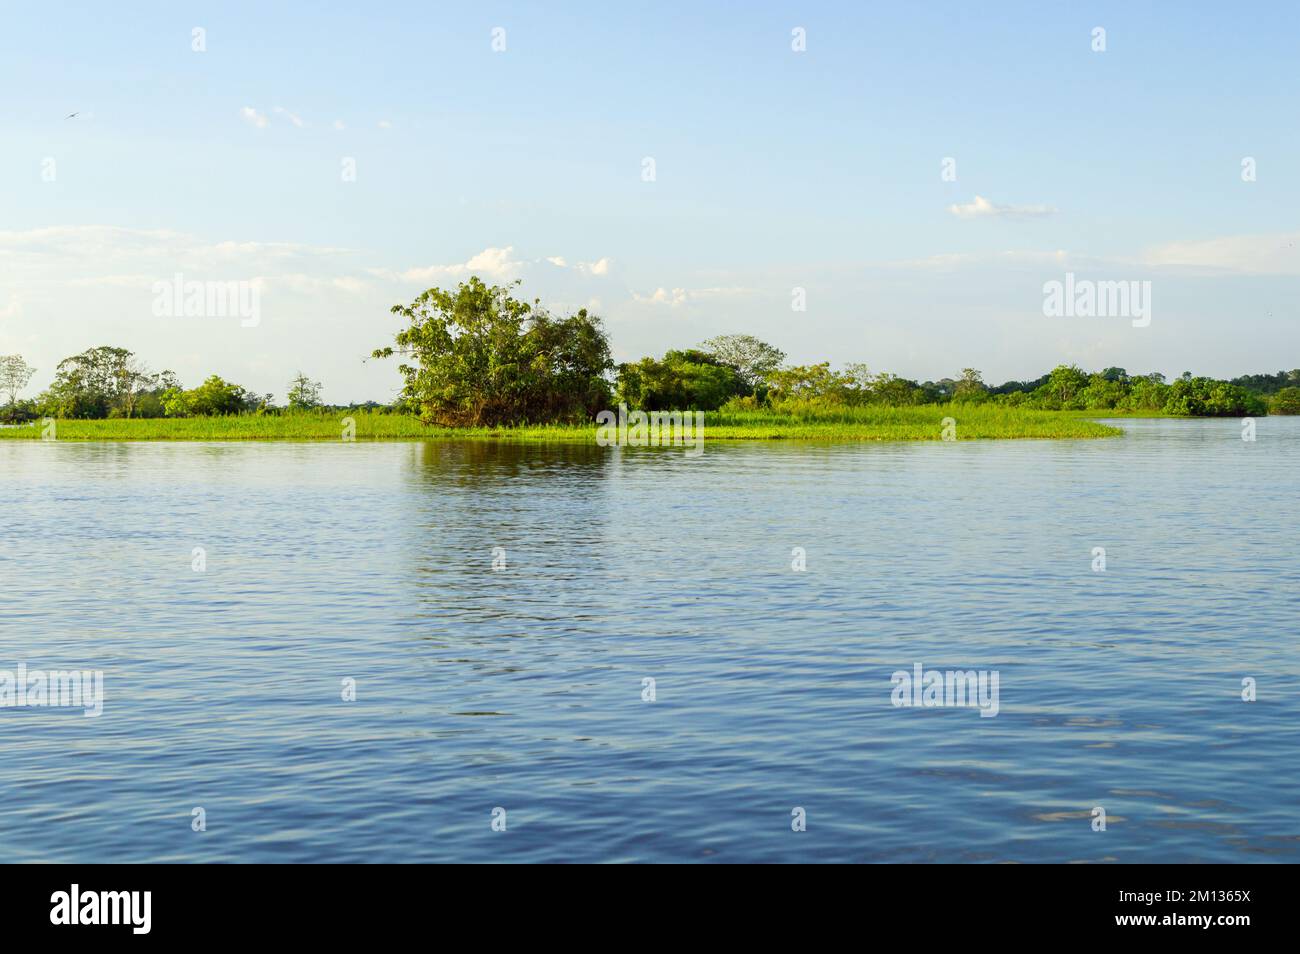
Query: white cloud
(681,296)
(982,208)
(88,256)
(497,264)
(1269,254)
(253,117)
(312,284)
(494,264)
(662,296)
(296,120)
(951,260)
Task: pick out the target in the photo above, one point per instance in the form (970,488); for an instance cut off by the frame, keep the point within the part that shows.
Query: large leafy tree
(15,374)
(1063,387)
(216,397)
(97,383)
(479,356)
(755,360)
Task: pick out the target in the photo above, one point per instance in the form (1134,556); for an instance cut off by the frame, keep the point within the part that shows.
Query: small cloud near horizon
(983,208)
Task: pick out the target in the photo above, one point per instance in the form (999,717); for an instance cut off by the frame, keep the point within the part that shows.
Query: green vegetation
(875,423)
(483,358)
(881,422)
(15,373)
(1285,401)
(477,362)
(683,380)
(306,426)
(1065,388)
(108,382)
(304,393)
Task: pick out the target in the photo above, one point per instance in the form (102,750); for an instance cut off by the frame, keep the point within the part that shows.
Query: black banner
(335,903)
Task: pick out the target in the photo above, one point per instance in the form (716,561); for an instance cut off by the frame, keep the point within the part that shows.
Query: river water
(232,593)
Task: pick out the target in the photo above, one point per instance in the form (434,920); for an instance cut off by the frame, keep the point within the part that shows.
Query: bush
(682,381)
(1206,397)
(1285,401)
(19,412)
(743,403)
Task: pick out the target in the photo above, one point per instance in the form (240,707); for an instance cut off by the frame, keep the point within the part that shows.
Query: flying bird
(72,115)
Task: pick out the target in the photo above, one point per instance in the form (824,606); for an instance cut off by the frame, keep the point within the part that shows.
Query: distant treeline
(738,372)
(1065,388)
(477,356)
(109,382)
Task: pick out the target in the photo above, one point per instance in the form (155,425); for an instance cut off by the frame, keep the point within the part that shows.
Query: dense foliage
(1285,401)
(1065,388)
(754,360)
(682,381)
(479,357)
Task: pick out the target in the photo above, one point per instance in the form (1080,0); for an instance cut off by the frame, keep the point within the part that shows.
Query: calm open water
(521,688)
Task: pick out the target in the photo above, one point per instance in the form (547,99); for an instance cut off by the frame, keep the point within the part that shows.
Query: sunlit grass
(923,423)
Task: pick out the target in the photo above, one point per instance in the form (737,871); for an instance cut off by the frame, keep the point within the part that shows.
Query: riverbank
(875,423)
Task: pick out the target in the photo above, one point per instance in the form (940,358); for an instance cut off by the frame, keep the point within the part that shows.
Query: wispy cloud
(110,256)
(254,118)
(953,260)
(676,297)
(662,296)
(296,120)
(1268,254)
(983,208)
(494,264)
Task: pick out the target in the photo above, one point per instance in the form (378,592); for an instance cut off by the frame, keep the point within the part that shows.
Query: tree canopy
(753,360)
(479,356)
(687,380)
(15,373)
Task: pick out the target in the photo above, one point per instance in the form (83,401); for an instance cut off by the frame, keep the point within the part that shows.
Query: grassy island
(872,423)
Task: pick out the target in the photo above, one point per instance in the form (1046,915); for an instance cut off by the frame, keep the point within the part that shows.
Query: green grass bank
(872,423)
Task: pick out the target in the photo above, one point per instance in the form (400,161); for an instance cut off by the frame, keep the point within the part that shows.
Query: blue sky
(775,169)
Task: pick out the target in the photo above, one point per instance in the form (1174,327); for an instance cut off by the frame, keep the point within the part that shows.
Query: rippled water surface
(522,688)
